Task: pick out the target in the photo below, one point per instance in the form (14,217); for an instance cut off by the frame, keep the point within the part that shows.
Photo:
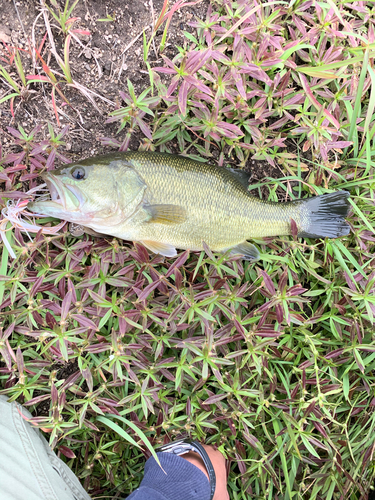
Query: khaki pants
(29,469)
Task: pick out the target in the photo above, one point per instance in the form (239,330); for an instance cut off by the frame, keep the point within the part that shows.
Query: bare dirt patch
(102,63)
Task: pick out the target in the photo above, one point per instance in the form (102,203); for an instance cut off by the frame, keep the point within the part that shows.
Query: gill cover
(92,194)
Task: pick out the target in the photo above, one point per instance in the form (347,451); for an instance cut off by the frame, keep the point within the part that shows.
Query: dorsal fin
(241,176)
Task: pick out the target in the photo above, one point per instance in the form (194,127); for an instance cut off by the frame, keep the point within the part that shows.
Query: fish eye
(78,173)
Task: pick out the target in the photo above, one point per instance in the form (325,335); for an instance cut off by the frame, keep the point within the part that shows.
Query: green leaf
(4,261)
(309,446)
(105,318)
(346,385)
(126,436)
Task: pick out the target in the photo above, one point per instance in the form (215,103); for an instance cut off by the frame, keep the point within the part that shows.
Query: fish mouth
(68,197)
(63,201)
(56,189)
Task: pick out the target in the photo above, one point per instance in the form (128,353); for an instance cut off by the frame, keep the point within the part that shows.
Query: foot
(218,463)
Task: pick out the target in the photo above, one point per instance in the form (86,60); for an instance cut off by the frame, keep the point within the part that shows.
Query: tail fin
(324,216)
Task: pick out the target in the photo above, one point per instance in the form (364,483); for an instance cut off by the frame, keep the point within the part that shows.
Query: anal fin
(249,251)
(161,248)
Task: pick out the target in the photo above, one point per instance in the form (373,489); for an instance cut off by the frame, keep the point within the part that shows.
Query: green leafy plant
(115,350)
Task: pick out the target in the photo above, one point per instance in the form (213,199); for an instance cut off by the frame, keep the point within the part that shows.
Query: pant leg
(29,469)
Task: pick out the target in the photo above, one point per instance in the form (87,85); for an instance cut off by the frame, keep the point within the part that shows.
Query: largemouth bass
(168,202)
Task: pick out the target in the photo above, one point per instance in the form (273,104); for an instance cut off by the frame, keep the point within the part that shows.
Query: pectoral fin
(166,214)
(249,251)
(161,248)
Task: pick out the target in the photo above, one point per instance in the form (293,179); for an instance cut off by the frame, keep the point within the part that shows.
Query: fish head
(90,193)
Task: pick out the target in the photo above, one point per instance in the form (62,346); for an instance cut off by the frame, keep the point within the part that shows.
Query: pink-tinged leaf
(12,106)
(293,228)
(7,354)
(38,78)
(178,278)
(182,97)
(319,427)
(265,307)
(14,132)
(232,131)
(70,381)
(283,280)
(54,105)
(334,354)
(317,443)
(309,93)
(332,119)
(96,297)
(66,451)
(36,400)
(62,400)
(305,365)
(20,362)
(279,313)
(241,464)
(359,361)
(8,331)
(146,292)
(108,402)
(38,318)
(197,60)
(295,290)
(339,144)
(252,440)
(368,456)
(142,253)
(54,395)
(90,425)
(15,168)
(82,32)
(51,160)
(239,327)
(66,305)
(240,86)
(349,282)
(256,72)
(198,84)
(169,71)
(331,387)
(294,392)
(268,282)
(214,399)
(70,20)
(231,426)
(279,123)
(144,127)
(306,146)
(71,286)
(83,321)
(180,261)
(86,373)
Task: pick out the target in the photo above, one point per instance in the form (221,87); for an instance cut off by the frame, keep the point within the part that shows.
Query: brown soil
(111,54)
